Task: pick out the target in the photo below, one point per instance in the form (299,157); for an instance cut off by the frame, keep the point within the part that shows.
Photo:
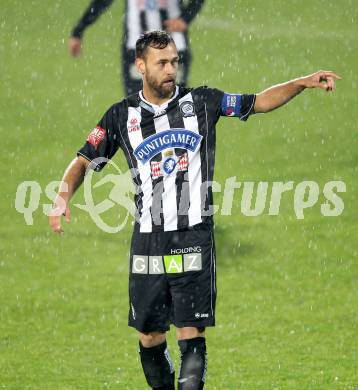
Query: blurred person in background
(173,16)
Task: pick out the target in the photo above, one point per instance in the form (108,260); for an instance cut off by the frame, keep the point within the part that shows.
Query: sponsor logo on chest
(174,138)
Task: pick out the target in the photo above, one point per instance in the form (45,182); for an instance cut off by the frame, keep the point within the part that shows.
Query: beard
(163,89)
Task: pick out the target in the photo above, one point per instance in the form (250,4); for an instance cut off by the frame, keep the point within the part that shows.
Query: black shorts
(172,279)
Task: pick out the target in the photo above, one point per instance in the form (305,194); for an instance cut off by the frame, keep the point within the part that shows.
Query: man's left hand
(176,25)
(322,79)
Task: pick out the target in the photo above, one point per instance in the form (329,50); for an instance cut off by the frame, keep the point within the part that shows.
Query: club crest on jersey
(168,139)
(169,163)
(96,136)
(187,109)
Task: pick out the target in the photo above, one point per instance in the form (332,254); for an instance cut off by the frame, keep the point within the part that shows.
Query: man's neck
(155,99)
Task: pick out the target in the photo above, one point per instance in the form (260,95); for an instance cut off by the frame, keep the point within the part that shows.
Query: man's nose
(170,68)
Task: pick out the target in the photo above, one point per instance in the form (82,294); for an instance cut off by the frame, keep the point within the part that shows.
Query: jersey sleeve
(103,141)
(191,9)
(212,98)
(239,105)
(91,14)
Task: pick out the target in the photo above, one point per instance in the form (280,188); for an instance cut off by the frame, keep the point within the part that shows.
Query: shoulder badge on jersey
(96,136)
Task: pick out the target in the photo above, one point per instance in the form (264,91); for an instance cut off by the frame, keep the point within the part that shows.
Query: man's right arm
(102,143)
(91,14)
(72,179)
(278,95)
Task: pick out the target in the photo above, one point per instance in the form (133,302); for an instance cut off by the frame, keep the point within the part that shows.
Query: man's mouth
(168,82)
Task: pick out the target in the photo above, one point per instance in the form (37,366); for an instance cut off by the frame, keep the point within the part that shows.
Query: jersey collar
(154,108)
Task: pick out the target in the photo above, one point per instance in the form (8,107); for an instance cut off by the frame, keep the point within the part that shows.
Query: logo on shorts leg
(201,315)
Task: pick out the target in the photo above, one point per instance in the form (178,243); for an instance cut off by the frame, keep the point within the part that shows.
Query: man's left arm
(278,95)
(188,13)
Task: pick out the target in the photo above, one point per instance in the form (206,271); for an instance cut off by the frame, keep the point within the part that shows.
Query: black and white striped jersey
(171,151)
(144,15)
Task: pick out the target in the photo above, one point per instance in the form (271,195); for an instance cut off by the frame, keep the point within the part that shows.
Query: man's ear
(140,65)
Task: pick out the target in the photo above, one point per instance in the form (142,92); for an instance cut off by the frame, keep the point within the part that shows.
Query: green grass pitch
(287,288)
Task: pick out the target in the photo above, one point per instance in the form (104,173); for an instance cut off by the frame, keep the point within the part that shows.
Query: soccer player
(140,16)
(167,134)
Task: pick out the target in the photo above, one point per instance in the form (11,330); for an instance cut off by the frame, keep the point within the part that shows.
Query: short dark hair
(157,39)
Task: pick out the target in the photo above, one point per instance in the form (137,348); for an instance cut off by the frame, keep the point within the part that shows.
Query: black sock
(193,364)
(157,366)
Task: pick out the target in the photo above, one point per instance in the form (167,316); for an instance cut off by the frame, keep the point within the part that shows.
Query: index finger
(331,74)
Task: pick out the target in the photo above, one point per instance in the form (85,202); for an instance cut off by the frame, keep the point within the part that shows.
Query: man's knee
(151,339)
(190,333)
